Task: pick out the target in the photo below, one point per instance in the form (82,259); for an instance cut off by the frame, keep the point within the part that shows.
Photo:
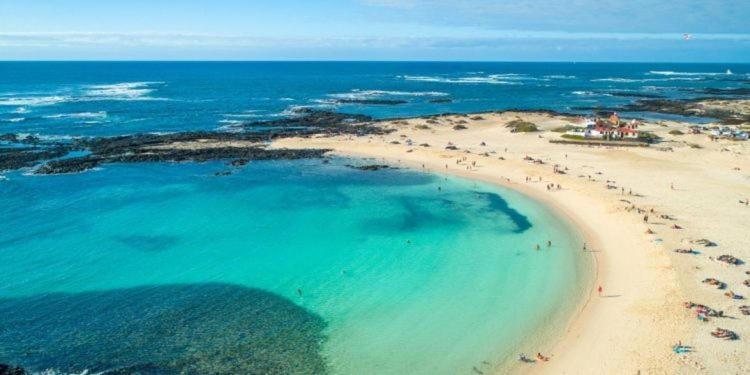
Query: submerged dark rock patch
(497,203)
(370,167)
(175,329)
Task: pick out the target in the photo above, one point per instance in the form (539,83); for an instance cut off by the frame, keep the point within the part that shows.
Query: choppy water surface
(282,267)
(99,98)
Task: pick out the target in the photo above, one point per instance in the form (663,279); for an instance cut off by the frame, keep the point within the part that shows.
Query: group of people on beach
(702,312)
(539,357)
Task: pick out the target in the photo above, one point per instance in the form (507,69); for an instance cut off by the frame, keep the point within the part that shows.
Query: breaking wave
(33,101)
(369,94)
(81,115)
(14,120)
(672,73)
(122,91)
(633,80)
(495,79)
(127,91)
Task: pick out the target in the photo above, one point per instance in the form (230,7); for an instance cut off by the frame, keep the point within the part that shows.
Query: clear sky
(499,30)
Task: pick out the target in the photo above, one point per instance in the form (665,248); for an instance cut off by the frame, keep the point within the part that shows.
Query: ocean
(108,98)
(287,266)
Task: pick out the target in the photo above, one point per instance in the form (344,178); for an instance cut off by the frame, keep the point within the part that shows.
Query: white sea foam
(590,93)
(20,110)
(231,122)
(242,115)
(33,101)
(15,119)
(556,76)
(230,128)
(672,73)
(631,80)
(296,110)
(81,115)
(494,79)
(121,91)
(369,94)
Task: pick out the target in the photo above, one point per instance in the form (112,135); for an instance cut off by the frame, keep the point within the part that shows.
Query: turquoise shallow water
(282,267)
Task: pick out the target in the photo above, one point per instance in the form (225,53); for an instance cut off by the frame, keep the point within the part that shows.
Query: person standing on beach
(600,290)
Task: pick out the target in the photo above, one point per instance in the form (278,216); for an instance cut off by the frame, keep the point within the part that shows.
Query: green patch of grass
(563,129)
(647,136)
(522,126)
(574,137)
(676,132)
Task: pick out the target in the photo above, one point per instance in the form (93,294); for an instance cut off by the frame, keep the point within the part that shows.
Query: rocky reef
(164,329)
(11,370)
(247,144)
(370,167)
(727,111)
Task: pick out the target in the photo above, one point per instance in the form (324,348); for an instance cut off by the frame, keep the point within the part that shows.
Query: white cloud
(72,39)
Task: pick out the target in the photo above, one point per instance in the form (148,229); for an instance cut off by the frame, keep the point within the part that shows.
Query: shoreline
(633,326)
(562,321)
(575,313)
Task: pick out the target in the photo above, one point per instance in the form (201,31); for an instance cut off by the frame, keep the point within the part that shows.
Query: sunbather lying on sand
(725,334)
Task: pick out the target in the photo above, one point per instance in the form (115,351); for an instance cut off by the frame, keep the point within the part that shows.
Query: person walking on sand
(600,290)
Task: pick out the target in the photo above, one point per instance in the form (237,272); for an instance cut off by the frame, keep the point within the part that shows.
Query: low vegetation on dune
(521,126)
(563,129)
(676,132)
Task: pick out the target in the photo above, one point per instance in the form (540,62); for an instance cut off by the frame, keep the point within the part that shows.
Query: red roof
(623,130)
(627,130)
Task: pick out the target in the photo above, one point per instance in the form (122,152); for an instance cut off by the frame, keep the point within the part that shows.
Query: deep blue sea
(105,98)
(299,267)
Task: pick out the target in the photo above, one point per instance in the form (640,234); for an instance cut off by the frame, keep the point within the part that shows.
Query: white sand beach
(689,187)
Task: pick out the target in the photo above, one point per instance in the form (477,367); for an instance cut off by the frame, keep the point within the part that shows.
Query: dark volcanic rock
(138,155)
(11,370)
(441,100)
(239,162)
(687,107)
(9,137)
(729,92)
(17,158)
(310,121)
(72,165)
(372,167)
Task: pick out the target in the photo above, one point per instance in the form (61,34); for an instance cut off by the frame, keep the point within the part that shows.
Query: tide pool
(280,267)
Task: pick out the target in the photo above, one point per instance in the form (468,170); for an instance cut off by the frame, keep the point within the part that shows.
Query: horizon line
(371,61)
